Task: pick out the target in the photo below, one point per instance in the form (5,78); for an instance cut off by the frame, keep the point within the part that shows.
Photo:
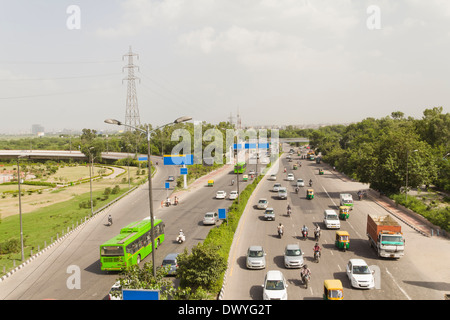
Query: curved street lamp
(150,192)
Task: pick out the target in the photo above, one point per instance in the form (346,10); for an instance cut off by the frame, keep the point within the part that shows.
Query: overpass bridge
(62,155)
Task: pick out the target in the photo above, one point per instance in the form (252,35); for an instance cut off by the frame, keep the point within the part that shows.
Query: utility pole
(132,117)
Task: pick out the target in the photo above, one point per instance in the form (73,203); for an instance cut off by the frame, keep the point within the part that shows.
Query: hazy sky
(277,61)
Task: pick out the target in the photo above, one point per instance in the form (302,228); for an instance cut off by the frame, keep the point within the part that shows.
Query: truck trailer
(385,235)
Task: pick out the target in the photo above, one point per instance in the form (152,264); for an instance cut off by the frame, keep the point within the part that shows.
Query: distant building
(37,129)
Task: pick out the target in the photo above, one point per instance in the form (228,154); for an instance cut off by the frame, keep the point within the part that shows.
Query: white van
(331,219)
(346,200)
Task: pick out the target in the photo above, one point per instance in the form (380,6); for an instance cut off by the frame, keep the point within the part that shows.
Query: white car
(262,203)
(300,183)
(210,218)
(273,177)
(275,286)
(233,195)
(290,177)
(282,193)
(331,219)
(359,274)
(276,187)
(221,194)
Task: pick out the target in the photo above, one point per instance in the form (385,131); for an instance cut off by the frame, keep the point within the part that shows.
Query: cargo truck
(385,236)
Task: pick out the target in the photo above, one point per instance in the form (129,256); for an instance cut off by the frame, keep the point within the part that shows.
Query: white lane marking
(329,196)
(401,289)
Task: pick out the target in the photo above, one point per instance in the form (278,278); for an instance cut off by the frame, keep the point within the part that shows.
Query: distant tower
(238,121)
(230,119)
(132,112)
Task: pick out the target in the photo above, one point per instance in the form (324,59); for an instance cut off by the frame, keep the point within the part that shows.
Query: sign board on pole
(171,160)
(167,185)
(222,213)
(143,158)
(183,171)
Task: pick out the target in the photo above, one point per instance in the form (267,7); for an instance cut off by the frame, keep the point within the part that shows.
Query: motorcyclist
(167,202)
(232,182)
(310,182)
(317,232)
(181,236)
(304,231)
(317,249)
(296,190)
(285,170)
(110,220)
(280,228)
(288,209)
(175,201)
(304,272)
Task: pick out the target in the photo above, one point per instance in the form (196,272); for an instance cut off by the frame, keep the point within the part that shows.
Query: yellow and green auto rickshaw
(344,212)
(333,290)
(245,177)
(295,167)
(342,240)
(210,183)
(321,171)
(310,194)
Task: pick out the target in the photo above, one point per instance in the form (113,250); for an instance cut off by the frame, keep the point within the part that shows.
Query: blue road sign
(140,294)
(171,160)
(143,158)
(251,146)
(222,213)
(183,171)
(167,185)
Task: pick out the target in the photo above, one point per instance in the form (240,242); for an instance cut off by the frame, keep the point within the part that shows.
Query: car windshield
(294,252)
(168,262)
(262,201)
(332,217)
(361,270)
(209,215)
(255,253)
(335,293)
(269,211)
(274,285)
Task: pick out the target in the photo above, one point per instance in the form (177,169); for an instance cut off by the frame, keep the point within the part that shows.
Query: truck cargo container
(385,236)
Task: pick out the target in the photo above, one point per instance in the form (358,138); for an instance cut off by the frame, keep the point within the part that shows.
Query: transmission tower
(132,111)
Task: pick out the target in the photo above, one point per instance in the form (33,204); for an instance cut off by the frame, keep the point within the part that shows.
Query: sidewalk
(409,217)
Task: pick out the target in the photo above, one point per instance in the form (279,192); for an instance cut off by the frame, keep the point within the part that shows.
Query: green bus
(240,167)
(131,246)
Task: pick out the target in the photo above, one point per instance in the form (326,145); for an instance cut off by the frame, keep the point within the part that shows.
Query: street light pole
(20,209)
(150,190)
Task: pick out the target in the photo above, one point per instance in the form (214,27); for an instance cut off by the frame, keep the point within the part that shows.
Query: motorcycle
(317,256)
(296,190)
(305,279)
(316,235)
(167,203)
(304,234)
(280,233)
(181,238)
(175,202)
(310,183)
(289,212)
(110,221)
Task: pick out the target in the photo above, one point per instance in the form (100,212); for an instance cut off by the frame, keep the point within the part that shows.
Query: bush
(116,189)
(10,246)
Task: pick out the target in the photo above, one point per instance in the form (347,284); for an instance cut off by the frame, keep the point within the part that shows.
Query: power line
(62,78)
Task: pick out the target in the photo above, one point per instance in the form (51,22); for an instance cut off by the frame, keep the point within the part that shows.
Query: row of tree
(388,153)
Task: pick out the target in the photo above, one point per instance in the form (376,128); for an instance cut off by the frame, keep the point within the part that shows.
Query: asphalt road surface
(49,276)
(421,274)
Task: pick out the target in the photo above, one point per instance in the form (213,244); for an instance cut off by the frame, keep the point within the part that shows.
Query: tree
(202,268)
(91,146)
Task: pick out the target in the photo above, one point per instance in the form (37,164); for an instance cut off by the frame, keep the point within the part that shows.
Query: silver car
(282,193)
(256,258)
(171,262)
(293,256)
(262,203)
(210,218)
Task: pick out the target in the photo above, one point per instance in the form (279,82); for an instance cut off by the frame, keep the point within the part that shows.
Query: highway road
(422,273)
(47,276)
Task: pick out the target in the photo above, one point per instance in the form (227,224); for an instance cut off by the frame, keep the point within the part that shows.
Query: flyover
(61,155)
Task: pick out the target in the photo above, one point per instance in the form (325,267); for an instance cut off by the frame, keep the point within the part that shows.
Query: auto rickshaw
(245,177)
(295,167)
(310,194)
(333,290)
(211,183)
(321,171)
(344,212)
(342,240)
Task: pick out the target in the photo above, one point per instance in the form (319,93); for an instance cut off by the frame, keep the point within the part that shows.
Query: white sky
(278,61)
